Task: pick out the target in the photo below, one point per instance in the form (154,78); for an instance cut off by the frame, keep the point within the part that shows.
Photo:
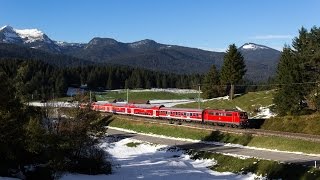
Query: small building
(72,91)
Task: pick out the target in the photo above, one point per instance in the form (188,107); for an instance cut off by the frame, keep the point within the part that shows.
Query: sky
(205,24)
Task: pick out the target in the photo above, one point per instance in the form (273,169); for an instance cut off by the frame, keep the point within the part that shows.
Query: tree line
(35,80)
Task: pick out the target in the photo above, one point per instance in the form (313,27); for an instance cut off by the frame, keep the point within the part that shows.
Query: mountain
(150,55)
(32,38)
(14,51)
(261,61)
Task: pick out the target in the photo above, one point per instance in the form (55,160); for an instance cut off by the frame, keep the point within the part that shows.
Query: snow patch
(239,109)
(30,35)
(251,46)
(265,113)
(237,156)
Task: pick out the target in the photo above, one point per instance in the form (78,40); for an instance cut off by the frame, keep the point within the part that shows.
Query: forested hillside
(37,80)
(12,51)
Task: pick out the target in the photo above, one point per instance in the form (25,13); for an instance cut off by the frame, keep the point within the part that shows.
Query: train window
(184,114)
(229,114)
(243,114)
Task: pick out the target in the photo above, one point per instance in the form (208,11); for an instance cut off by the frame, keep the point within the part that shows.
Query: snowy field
(156,162)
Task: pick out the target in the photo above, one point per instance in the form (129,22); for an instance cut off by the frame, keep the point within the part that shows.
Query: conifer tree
(233,68)
(289,98)
(212,86)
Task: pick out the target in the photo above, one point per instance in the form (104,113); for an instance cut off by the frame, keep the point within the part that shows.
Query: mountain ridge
(261,60)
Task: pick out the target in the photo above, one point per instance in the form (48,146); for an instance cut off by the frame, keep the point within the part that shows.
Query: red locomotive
(232,118)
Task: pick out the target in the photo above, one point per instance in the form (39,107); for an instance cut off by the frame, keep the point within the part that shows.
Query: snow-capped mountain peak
(32,38)
(30,35)
(25,36)
(253,46)
(8,35)
(6,27)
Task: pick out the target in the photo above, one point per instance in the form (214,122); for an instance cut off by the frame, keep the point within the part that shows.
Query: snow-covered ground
(156,162)
(265,113)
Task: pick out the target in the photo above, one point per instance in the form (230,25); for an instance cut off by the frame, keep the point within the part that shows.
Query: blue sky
(207,24)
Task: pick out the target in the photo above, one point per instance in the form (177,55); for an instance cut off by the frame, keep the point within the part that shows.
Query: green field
(266,168)
(143,96)
(308,124)
(279,143)
(248,102)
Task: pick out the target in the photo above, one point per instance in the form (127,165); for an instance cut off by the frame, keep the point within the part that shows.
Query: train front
(244,122)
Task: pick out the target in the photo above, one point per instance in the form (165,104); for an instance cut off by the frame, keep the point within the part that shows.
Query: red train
(232,118)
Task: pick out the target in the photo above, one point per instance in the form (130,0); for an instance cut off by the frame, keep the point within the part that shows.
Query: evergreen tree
(307,51)
(212,86)
(110,81)
(289,97)
(233,68)
(164,81)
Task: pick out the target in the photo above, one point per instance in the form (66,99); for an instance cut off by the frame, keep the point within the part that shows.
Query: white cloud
(272,36)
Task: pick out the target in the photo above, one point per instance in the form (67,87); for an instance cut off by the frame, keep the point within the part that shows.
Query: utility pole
(127,96)
(199,96)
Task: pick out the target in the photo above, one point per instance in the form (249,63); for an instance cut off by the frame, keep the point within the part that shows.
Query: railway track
(254,132)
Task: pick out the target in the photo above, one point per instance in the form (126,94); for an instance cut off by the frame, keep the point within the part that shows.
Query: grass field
(279,143)
(144,96)
(248,102)
(266,168)
(308,124)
